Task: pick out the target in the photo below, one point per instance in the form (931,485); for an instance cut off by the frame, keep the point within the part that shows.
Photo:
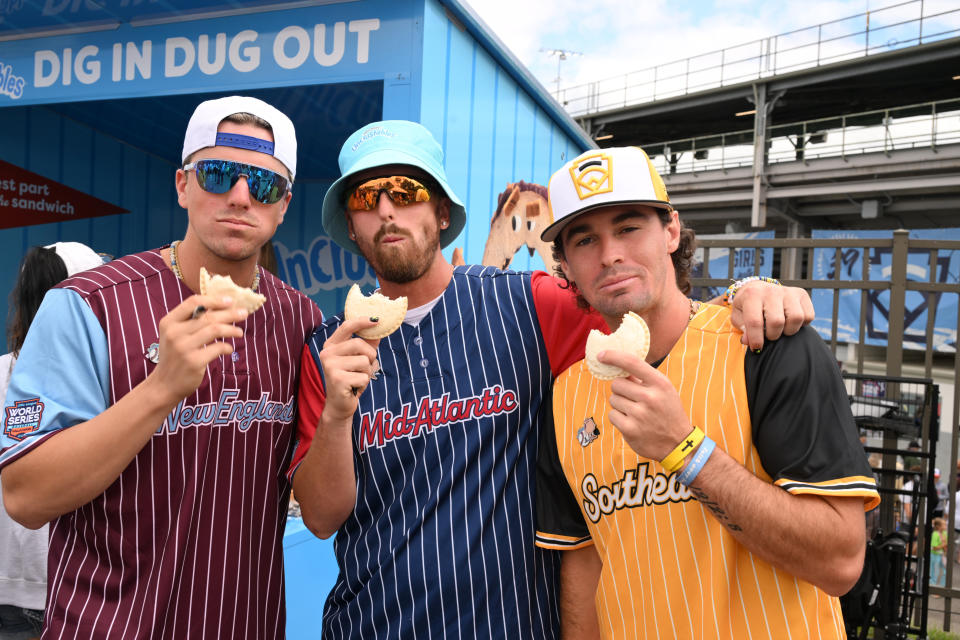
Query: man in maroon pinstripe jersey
(151,426)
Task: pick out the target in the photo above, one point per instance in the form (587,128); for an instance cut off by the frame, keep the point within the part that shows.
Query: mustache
(614,272)
(391,229)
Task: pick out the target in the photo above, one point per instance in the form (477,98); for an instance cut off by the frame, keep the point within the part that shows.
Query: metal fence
(893,27)
(924,125)
(793,265)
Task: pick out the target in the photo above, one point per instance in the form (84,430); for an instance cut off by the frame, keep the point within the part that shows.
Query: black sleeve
(802,425)
(560,523)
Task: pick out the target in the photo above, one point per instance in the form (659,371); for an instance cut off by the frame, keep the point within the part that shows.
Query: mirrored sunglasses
(401,190)
(219,176)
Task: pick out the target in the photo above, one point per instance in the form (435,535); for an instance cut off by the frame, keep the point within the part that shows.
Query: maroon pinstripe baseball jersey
(187,542)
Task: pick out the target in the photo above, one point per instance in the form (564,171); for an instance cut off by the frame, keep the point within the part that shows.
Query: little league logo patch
(153,353)
(588,432)
(23,418)
(593,176)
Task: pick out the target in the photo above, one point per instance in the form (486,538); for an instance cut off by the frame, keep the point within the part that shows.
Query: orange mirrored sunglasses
(403,191)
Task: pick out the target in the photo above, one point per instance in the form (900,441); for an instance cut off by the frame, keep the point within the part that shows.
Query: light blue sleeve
(61,377)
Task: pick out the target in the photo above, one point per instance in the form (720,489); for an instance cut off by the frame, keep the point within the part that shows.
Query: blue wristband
(696,463)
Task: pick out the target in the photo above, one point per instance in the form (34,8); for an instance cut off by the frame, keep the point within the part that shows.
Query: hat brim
(550,233)
(335,220)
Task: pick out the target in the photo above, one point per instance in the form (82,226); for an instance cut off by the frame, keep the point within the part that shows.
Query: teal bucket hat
(384,143)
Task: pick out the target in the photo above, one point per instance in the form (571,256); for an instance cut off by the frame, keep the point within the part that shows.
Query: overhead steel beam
(667,105)
(932,52)
(899,58)
(888,185)
(949,182)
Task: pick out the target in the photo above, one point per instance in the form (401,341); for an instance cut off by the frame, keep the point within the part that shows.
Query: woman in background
(23,552)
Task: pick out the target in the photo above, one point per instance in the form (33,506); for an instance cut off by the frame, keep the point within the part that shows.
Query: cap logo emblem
(593,175)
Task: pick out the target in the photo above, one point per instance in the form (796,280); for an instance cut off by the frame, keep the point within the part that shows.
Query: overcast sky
(618,36)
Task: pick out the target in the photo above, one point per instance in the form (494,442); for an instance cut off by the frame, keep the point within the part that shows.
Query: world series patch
(23,418)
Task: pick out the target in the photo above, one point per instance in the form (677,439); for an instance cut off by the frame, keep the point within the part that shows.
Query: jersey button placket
(417,348)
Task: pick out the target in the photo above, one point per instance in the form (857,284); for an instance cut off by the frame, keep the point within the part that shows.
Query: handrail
(767,57)
(921,125)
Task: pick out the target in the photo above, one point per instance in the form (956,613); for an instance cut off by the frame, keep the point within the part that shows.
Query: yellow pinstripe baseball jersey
(670,569)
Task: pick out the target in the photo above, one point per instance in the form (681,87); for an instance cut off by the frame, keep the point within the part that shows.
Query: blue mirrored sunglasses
(219,176)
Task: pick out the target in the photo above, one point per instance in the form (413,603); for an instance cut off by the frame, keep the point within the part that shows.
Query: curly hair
(40,269)
(682,258)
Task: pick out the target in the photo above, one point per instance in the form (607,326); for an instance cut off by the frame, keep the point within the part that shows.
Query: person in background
(943,495)
(956,518)
(912,462)
(23,552)
(938,546)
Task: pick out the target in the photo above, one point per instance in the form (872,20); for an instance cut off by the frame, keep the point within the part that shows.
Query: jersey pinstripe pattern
(441,541)
(661,549)
(187,542)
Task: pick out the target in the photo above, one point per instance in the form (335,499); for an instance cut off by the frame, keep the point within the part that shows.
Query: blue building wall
(492,128)
(44,142)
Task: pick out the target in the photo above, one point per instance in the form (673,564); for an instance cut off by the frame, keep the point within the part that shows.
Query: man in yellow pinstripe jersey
(713,492)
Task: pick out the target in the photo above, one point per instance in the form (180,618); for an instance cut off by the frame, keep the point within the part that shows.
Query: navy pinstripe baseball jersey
(187,542)
(441,541)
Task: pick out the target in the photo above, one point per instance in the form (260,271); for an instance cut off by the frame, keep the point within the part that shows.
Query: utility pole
(562,54)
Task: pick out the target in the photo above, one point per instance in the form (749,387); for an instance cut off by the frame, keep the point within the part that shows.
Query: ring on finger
(199,311)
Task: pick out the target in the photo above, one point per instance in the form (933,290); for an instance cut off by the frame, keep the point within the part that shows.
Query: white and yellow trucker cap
(600,178)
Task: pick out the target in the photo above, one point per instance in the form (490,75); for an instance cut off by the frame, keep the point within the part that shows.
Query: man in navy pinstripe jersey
(152,426)
(419,450)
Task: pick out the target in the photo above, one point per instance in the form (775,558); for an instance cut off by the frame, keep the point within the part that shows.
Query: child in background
(938,545)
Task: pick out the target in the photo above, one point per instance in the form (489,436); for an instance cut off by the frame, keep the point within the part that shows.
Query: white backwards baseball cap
(76,256)
(600,178)
(202,130)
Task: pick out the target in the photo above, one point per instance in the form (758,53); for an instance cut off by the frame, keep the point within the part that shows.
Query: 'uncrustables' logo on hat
(593,175)
(372,133)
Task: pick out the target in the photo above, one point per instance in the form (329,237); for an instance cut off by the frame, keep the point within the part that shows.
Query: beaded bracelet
(696,463)
(733,288)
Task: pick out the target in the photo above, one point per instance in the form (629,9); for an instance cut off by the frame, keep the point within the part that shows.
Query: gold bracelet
(674,459)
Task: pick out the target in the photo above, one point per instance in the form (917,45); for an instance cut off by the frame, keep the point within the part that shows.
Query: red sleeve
(564,325)
(310,400)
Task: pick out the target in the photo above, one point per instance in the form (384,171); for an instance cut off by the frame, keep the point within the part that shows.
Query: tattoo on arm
(715,509)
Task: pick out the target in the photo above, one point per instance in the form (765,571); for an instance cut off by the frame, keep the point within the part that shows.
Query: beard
(615,305)
(401,265)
